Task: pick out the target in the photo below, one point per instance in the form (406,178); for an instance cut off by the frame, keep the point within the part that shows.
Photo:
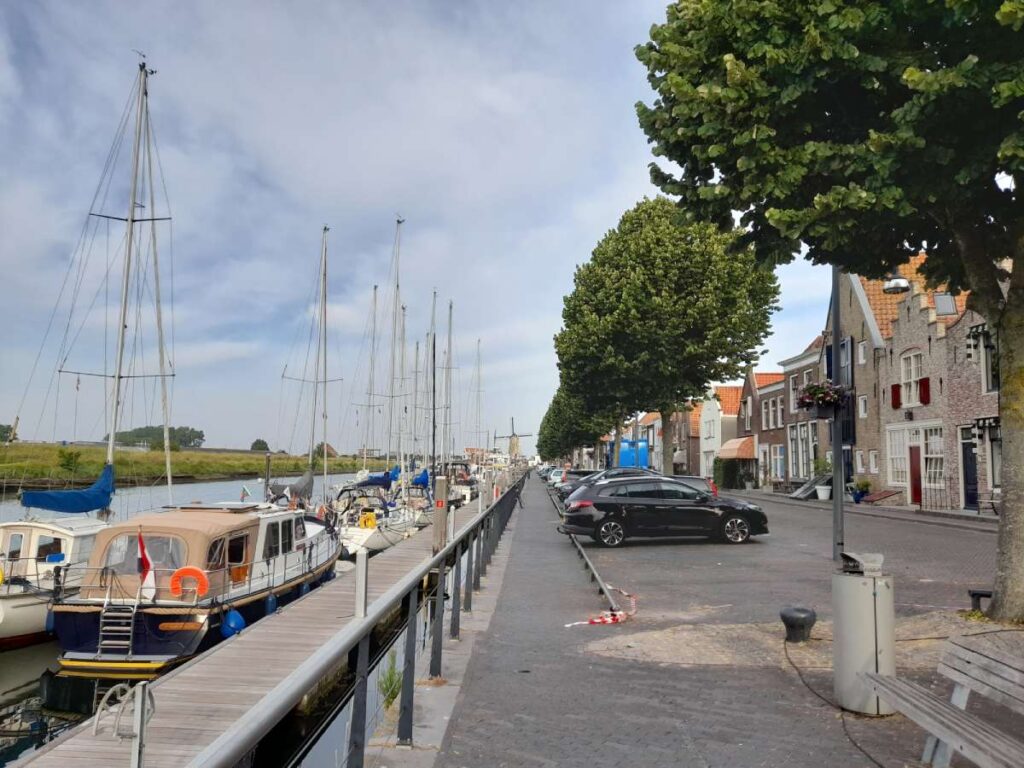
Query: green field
(37,464)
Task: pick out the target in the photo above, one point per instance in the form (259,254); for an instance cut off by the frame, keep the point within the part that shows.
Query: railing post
(408,671)
(470,545)
(478,544)
(456,592)
(485,545)
(357,728)
(141,693)
(438,628)
(362,571)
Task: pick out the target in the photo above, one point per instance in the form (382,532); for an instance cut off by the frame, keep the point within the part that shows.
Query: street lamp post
(838,482)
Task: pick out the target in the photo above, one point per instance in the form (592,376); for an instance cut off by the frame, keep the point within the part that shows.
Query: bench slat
(991,686)
(986,665)
(974,738)
(1005,648)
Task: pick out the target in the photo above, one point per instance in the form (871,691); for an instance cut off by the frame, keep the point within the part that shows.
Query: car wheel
(735,529)
(610,533)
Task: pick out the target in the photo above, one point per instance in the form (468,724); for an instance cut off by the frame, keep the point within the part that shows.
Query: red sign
(439,504)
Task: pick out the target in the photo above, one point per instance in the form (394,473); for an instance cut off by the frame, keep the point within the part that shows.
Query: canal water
(35,704)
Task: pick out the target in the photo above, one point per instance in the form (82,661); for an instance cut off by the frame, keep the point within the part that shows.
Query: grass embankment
(47,465)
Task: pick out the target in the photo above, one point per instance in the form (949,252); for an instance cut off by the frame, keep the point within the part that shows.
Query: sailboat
(33,551)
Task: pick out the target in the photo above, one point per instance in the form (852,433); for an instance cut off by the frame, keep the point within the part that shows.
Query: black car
(570,486)
(612,511)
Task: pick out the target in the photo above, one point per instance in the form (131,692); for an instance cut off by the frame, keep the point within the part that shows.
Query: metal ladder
(117,628)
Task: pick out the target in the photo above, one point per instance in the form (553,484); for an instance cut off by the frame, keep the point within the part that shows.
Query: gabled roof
(816,344)
(767,379)
(650,418)
(695,418)
(729,395)
(886,306)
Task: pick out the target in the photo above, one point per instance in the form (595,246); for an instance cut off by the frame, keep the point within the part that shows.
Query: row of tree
(181,437)
(664,307)
(860,133)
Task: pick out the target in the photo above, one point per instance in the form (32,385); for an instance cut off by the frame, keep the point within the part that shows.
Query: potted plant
(823,397)
(823,467)
(748,480)
(861,488)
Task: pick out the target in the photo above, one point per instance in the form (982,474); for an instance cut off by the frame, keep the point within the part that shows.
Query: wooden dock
(198,701)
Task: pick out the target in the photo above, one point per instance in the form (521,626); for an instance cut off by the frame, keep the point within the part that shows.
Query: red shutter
(895,396)
(925,390)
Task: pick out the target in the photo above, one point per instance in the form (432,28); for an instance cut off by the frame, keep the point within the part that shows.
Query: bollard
(362,571)
(440,513)
(408,672)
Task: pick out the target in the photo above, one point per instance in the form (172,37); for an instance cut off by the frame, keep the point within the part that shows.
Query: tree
(662,310)
(184,437)
(5,432)
(566,426)
(863,132)
(157,444)
(69,460)
(259,444)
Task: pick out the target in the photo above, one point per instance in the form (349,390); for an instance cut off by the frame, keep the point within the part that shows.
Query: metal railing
(473,545)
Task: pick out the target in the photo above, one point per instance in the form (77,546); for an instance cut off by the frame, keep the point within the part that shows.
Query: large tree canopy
(566,426)
(660,312)
(865,131)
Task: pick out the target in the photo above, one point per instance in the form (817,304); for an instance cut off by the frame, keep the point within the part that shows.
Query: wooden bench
(991,665)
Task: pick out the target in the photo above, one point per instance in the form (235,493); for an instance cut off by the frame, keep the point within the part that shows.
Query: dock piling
(362,571)
(408,671)
(357,729)
(456,592)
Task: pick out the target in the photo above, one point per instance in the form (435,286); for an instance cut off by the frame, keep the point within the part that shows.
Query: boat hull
(22,620)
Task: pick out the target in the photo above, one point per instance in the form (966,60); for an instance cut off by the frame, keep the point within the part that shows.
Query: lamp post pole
(838,483)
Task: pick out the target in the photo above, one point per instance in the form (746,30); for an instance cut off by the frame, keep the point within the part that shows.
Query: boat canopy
(395,473)
(383,480)
(96,496)
(422,480)
(297,489)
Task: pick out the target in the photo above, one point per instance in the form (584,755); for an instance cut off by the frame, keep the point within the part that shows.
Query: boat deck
(201,699)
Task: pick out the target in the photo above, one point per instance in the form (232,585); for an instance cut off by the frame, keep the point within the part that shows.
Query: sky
(504,134)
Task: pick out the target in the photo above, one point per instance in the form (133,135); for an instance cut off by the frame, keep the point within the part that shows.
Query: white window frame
(873,462)
(990,443)
(807,376)
(911,373)
(858,462)
(862,406)
(794,392)
(778,462)
(933,457)
(898,457)
(794,468)
(986,363)
(780,409)
(764,415)
(862,352)
(749,405)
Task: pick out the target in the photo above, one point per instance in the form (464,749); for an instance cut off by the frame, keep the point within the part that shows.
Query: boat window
(48,545)
(236,549)
(14,546)
(166,553)
(286,536)
(272,545)
(300,529)
(215,556)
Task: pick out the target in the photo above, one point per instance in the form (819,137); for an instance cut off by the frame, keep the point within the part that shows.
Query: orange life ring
(190,572)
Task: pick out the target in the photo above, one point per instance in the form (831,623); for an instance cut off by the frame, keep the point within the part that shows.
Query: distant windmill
(513,440)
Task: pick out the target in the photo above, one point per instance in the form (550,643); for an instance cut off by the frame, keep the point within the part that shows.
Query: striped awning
(737,448)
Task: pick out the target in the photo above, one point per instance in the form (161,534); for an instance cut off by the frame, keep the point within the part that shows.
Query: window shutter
(895,396)
(925,390)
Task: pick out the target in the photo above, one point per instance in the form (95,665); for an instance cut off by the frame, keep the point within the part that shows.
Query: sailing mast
(447,450)
(479,392)
(401,445)
(323,349)
(394,332)
(369,387)
(126,276)
(415,402)
(433,388)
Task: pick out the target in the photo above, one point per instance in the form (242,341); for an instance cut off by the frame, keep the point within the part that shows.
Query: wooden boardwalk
(201,699)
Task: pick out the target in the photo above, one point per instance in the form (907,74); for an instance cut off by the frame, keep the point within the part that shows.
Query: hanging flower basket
(824,397)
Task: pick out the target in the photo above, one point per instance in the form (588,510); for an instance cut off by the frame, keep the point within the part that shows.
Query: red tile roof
(767,379)
(649,418)
(886,306)
(695,418)
(729,396)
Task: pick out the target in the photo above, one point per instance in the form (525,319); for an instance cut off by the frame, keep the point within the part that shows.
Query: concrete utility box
(440,518)
(863,631)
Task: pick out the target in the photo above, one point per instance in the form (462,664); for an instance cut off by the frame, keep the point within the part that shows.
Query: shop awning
(737,448)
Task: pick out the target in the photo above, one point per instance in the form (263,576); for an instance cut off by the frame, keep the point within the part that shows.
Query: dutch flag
(145,568)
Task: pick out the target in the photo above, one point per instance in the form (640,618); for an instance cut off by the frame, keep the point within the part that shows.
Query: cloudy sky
(504,133)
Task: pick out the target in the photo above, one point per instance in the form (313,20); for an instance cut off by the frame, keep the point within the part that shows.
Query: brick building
(762,419)
(802,438)
(718,417)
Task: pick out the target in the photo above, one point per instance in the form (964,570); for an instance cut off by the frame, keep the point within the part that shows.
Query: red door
(915,474)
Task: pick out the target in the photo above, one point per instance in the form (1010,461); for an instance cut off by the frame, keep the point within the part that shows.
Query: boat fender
(270,604)
(321,512)
(190,572)
(1,576)
(49,623)
(232,624)
(368,520)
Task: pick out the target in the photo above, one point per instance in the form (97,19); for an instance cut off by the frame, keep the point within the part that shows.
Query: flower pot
(824,411)
(858,495)
(824,492)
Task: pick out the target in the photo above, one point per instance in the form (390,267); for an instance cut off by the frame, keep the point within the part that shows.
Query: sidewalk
(948,519)
(538,694)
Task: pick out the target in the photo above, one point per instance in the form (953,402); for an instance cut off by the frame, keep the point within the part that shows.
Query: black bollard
(798,622)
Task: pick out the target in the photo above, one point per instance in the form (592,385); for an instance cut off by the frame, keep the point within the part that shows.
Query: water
(130,501)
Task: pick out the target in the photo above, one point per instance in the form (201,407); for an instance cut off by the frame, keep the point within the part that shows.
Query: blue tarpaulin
(422,480)
(396,472)
(382,480)
(96,496)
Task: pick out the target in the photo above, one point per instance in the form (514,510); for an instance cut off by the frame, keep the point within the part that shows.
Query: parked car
(615,510)
(700,483)
(567,487)
(556,476)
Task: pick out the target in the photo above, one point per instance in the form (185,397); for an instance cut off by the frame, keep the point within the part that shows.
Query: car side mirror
(703,496)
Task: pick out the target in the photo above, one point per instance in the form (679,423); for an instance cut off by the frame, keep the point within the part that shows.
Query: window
(812,454)
(897,457)
(48,545)
(300,530)
(780,409)
(804,446)
(215,556)
(747,407)
(709,428)
(859,462)
(771,412)
(794,392)
(642,490)
(862,352)
(873,462)
(778,462)
(676,491)
(286,536)
(764,415)
(862,406)
(934,457)
(166,553)
(237,547)
(807,377)
(995,456)
(794,469)
(14,546)
(272,544)
(910,378)
(989,362)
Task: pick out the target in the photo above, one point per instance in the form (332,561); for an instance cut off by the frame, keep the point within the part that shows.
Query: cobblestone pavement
(645,694)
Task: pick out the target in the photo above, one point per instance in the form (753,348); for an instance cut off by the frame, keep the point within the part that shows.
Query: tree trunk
(1008,600)
(617,450)
(667,441)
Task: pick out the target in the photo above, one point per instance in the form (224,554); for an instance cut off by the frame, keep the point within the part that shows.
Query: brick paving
(538,694)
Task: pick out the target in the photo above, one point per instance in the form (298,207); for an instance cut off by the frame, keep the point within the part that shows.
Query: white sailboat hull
(22,619)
